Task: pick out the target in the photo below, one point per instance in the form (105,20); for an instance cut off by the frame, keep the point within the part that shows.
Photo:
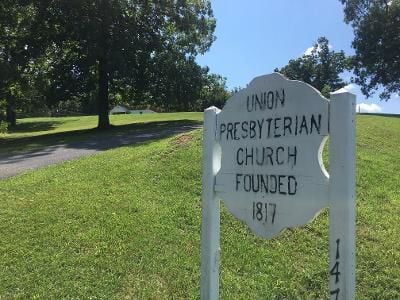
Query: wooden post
(210,229)
(342,195)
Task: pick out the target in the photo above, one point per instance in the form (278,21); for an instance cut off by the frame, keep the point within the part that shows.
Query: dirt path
(14,164)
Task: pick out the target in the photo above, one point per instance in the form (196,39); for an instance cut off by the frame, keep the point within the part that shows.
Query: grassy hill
(126,224)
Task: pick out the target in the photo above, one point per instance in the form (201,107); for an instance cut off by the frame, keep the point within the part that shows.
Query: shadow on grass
(93,138)
(35,126)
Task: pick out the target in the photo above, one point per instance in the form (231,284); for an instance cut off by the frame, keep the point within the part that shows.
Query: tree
(173,81)
(376,25)
(321,68)
(117,41)
(213,92)
(15,19)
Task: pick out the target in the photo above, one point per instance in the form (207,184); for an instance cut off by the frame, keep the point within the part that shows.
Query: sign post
(210,210)
(342,196)
(263,158)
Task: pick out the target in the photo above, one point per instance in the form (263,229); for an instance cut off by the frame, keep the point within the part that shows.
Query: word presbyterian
(271,127)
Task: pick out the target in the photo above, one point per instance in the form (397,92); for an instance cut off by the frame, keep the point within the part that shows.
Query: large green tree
(177,82)
(117,41)
(376,25)
(321,68)
(173,82)
(15,21)
(213,92)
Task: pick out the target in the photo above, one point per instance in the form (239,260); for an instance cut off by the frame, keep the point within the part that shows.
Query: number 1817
(264,212)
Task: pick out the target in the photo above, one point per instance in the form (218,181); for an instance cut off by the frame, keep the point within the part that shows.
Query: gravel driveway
(14,164)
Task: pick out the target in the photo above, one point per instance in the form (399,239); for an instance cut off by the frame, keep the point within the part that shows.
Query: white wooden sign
(263,158)
(271,135)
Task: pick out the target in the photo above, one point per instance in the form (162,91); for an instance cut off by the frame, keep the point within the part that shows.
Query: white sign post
(263,158)
(210,214)
(342,210)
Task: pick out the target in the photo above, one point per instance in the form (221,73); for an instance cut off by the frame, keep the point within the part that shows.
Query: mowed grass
(35,133)
(126,224)
(29,127)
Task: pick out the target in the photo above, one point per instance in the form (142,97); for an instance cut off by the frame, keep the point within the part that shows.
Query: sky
(254,37)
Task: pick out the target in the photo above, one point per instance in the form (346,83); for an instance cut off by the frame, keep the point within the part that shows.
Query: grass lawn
(126,224)
(33,133)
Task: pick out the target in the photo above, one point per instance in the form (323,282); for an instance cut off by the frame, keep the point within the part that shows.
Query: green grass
(126,224)
(29,127)
(34,133)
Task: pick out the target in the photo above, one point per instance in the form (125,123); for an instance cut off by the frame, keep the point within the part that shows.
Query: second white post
(342,208)
(210,229)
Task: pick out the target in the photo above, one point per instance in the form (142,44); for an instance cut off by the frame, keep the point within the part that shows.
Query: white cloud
(309,49)
(368,108)
(351,87)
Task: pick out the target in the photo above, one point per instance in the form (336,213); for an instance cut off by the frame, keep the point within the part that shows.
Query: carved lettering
(266,184)
(278,127)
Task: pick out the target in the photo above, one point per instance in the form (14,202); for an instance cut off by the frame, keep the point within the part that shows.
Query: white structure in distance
(120,109)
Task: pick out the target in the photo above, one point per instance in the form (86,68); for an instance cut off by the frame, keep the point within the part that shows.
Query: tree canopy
(92,51)
(321,68)
(15,21)
(116,40)
(376,25)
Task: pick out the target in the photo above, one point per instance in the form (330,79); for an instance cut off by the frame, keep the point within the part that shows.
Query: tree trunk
(11,116)
(103,101)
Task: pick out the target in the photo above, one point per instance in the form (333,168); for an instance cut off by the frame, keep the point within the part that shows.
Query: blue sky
(256,36)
